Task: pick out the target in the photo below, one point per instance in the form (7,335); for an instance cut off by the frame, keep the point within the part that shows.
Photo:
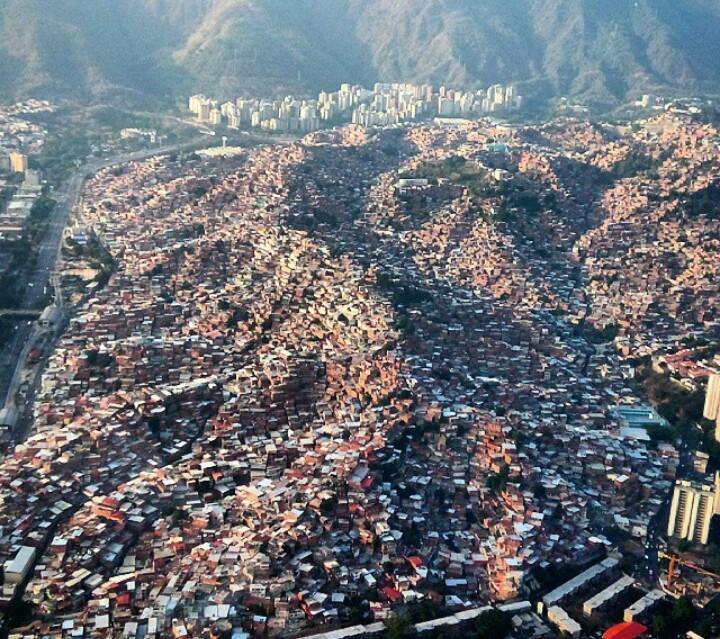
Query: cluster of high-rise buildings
(288,114)
(15,216)
(394,103)
(386,104)
(19,138)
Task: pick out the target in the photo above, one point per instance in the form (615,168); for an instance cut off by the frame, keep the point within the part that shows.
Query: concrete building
(8,418)
(606,596)
(711,410)
(195,102)
(32,178)
(215,117)
(204,112)
(18,568)
(564,622)
(50,316)
(692,509)
(576,584)
(643,606)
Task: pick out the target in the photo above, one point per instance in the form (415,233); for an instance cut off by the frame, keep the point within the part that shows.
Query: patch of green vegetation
(492,624)
(438,170)
(10,291)
(6,331)
(178,516)
(99,359)
(63,150)
(399,627)
(704,202)
(426,610)
(403,294)
(6,194)
(632,164)
(674,620)
(555,574)
(96,255)
(404,324)
(117,119)
(659,433)
(681,407)
(709,445)
(21,250)
(42,208)
(683,545)
(412,537)
(710,625)
(498,481)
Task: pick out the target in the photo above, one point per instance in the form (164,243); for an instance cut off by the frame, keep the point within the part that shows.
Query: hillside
(598,50)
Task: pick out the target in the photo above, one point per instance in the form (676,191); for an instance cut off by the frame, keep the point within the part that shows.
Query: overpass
(19,313)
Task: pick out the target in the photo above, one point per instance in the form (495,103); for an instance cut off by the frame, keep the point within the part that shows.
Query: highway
(41,281)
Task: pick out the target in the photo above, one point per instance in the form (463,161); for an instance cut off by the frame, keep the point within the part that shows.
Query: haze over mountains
(600,50)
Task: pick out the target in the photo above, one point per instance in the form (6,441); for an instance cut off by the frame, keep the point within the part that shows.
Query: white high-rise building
(386,105)
(327,112)
(195,102)
(712,397)
(446,107)
(692,509)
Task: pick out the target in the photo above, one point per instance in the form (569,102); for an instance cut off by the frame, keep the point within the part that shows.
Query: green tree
(42,208)
(399,627)
(682,611)
(356,614)
(9,291)
(492,624)
(497,481)
(660,627)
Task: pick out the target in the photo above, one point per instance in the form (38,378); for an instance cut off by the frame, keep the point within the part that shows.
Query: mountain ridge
(596,50)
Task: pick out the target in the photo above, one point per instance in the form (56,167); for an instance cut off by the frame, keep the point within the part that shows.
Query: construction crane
(675,560)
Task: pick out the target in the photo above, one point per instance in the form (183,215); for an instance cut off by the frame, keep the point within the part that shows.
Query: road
(648,570)
(40,280)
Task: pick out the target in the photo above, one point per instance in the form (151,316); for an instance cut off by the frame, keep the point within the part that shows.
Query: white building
(692,509)
(18,568)
(711,409)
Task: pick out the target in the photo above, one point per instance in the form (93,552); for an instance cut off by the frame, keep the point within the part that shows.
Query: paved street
(649,568)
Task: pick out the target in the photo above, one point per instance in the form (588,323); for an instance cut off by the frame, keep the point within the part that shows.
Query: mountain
(600,50)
